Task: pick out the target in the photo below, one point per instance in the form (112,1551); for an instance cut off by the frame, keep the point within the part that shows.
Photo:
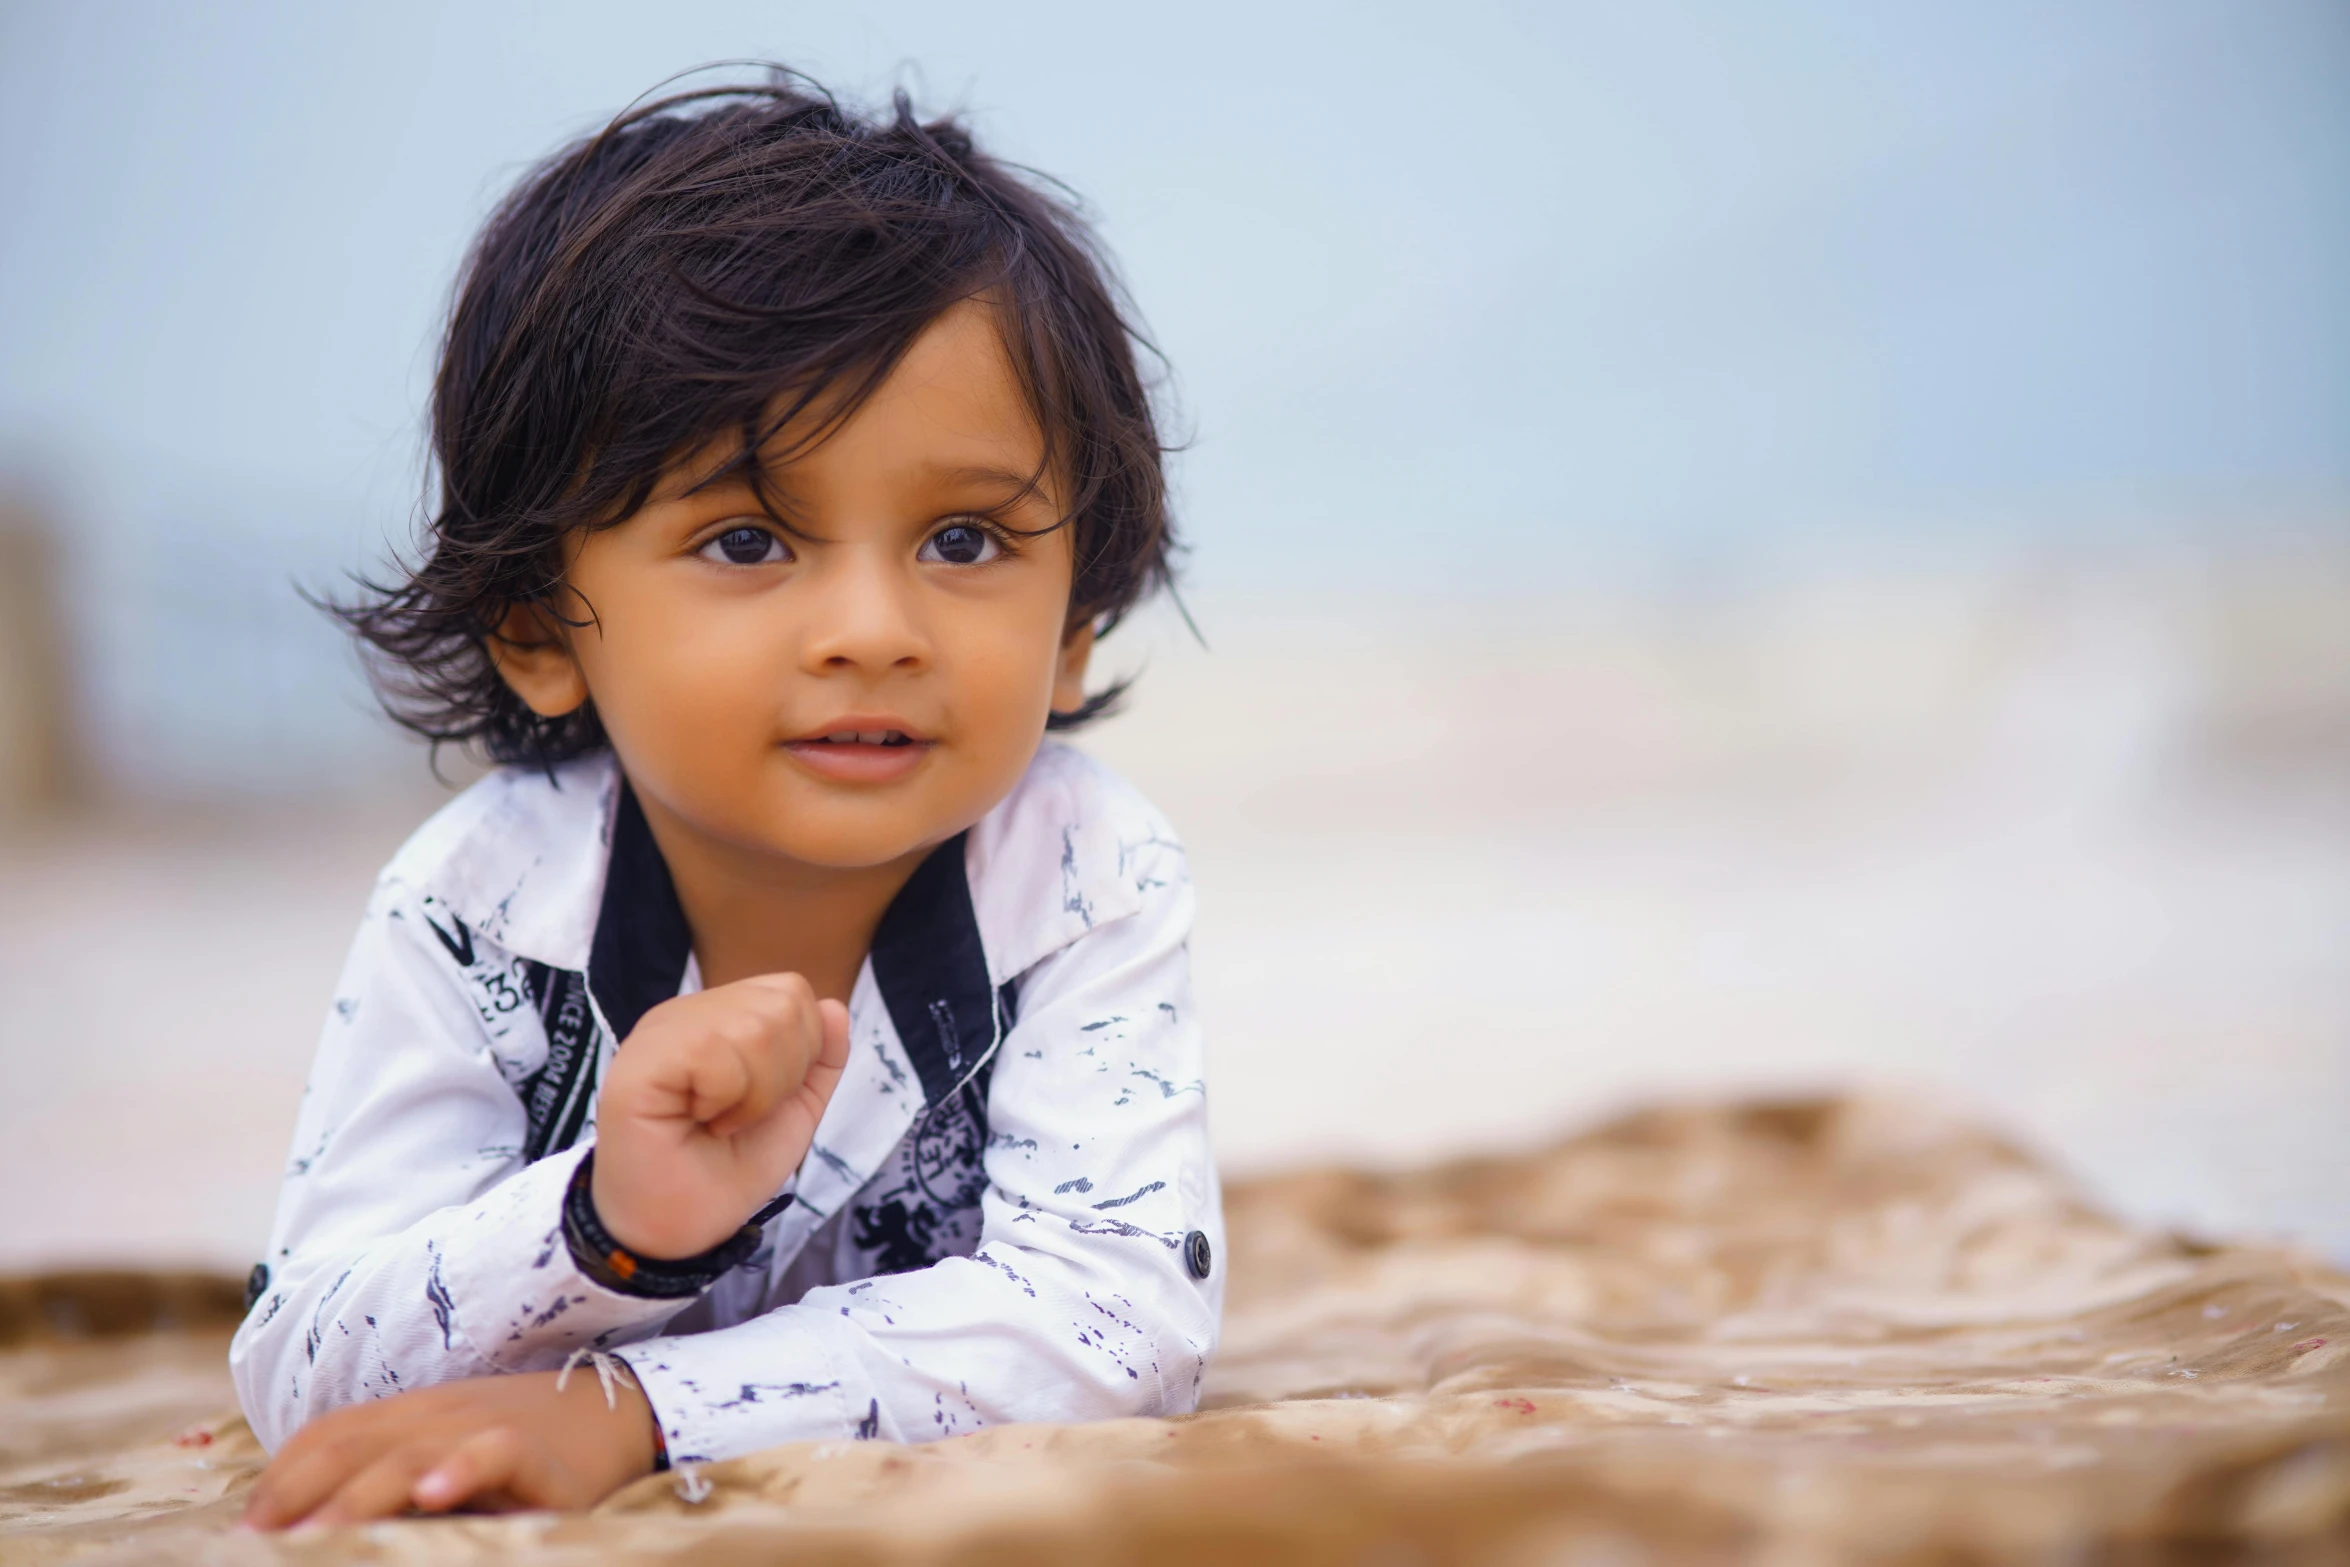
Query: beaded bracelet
(617,1268)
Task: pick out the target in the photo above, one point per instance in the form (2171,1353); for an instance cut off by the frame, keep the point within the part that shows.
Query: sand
(1809,1331)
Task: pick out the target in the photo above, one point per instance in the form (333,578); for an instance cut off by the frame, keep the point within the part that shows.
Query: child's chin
(855,833)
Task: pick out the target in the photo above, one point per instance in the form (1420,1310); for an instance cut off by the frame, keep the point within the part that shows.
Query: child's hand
(711,1104)
(497,1443)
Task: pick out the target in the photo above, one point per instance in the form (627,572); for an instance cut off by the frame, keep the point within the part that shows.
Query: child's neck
(758,914)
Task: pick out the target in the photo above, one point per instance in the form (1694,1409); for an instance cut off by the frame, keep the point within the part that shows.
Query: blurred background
(1739,548)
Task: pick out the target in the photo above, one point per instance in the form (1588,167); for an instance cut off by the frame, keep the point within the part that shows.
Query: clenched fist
(711,1104)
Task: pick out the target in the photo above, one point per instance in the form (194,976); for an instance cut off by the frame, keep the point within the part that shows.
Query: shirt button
(1198,1257)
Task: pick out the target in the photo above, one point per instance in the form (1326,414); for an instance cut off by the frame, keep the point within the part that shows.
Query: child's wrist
(660,1439)
(603,1258)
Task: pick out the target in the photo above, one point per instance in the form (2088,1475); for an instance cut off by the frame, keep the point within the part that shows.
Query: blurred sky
(1468,295)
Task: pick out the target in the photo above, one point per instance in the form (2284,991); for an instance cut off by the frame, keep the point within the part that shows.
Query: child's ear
(1069,669)
(534,659)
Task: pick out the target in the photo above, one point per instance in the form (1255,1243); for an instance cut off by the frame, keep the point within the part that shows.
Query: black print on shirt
(556,1097)
(931,1212)
(949,1146)
(897,1237)
(457,939)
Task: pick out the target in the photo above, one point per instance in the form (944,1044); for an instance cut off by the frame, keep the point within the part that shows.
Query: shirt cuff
(503,1278)
(758,1384)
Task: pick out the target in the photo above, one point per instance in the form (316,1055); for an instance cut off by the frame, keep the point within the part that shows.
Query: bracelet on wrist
(614,1266)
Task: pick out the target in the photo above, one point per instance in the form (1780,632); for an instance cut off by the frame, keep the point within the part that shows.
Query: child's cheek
(1006,688)
(691,701)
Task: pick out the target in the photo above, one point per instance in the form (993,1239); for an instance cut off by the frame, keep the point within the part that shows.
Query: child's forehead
(952,410)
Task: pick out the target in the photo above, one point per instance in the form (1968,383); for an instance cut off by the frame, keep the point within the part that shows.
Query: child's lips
(852,756)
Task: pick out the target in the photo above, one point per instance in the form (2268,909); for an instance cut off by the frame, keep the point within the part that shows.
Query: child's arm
(414,1245)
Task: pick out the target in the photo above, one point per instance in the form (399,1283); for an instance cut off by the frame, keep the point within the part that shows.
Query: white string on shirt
(605,1366)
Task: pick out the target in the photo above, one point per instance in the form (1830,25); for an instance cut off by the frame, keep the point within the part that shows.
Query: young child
(784,1018)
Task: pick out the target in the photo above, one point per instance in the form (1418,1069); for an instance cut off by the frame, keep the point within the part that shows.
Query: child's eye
(961,544)
(745,547)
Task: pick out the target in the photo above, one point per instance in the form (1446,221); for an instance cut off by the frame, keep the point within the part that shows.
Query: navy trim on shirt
(931,969)
(641,946)
(928,963)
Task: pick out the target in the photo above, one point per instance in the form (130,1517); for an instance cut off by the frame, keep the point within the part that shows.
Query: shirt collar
(526,867)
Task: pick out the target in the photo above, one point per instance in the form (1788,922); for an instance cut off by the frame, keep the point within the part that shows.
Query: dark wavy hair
(717,262)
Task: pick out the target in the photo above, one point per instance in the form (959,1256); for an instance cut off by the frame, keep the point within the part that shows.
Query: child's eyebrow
(771,491)
(986,474)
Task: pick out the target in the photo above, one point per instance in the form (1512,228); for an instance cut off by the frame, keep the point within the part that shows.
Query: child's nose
(865,618)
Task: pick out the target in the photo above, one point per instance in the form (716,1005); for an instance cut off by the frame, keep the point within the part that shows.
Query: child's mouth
(860,755)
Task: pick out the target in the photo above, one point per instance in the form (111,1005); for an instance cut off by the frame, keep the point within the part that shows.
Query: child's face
(735,667)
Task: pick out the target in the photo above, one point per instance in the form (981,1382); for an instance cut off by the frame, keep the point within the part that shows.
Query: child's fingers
(835,1053)
(832,1055)
(789,1038)
(482,1462)
(378,1491)
(751,1077)
(304,1475)
(490,1462)
(719,1072)
(803,1109)
(777,1143)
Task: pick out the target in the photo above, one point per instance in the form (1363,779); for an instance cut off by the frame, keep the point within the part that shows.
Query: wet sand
(1818,1331)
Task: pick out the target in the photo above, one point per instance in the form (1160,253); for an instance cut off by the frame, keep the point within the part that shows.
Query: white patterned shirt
(1009,1212)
